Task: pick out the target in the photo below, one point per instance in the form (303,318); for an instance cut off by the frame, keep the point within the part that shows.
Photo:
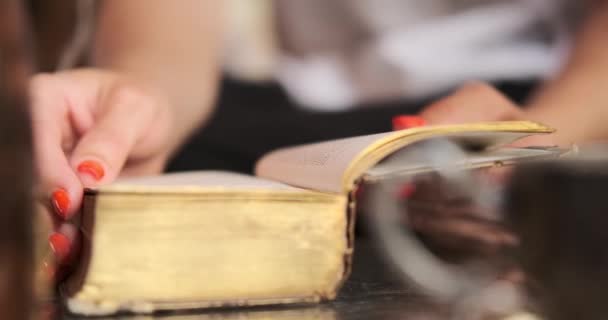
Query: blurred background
(295,71)
(329,69)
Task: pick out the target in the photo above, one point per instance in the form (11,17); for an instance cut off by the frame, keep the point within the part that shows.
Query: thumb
(474,102)
(102,152)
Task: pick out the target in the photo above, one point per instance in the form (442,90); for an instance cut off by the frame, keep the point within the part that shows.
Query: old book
(211,239)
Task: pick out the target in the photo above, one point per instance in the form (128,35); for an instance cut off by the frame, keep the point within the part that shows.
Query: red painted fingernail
(61,202)
(60,245)
(407,122)
(407,191)
(92,168)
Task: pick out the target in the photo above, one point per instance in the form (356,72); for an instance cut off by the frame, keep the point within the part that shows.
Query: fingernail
(61,202)
(407,122)
(92,168)
(60,244)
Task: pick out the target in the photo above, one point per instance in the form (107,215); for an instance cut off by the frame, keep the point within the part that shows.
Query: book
(220,239)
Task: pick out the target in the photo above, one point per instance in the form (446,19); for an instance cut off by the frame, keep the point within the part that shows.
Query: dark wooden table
(373,291)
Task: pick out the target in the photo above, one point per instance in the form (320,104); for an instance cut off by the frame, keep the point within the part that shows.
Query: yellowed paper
(333,166)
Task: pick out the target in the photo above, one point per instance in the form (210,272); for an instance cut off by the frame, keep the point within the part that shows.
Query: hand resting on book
(478,101)
(86,134)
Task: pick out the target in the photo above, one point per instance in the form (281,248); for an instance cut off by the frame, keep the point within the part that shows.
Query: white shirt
(335,54)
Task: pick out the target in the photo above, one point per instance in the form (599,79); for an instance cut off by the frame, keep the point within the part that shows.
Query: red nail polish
(60,245)
(92,168)
(407,191)
(407,122)
(61,202)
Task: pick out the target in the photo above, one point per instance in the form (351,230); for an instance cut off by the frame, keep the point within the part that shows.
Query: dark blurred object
(560,212)
(49,25)
(17,49)
(16,172)
(451,223)
(444,245)
(220,145)
(53,24)
(441,223)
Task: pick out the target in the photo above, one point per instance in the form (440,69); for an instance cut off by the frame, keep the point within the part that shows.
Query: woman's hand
(91,126)
(480,102)
(474,102)
(457,223)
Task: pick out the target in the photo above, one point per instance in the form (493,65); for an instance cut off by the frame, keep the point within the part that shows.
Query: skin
(451,219)
(575,102)
(146,61)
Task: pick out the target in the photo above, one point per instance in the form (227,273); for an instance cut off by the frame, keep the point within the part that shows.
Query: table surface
(373,291)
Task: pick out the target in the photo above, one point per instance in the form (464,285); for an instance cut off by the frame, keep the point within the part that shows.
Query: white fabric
(417,48)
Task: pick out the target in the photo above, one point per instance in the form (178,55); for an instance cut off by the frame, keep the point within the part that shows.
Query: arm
(170,46)
(576,102)
(152,82)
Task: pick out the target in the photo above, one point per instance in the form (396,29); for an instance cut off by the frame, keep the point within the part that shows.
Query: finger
(102,152)
(515,275)
(61,188)
(464,209)
(469,227)
(147,167)
(537,140)
(463,233)
(65,244)
(474,102)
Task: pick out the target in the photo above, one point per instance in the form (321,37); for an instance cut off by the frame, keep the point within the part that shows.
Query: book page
(319,166)
(198,180)
(417,161)
(332,166)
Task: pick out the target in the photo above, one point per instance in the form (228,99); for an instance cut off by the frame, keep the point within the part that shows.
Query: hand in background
(474,102)
(480,102)
(452,219)
(91,126)
(457,223)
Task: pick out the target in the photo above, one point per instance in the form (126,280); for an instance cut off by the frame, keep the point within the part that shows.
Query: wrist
(573,123)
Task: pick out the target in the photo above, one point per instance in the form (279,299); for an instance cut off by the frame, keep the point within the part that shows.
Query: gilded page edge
(70,289)
(296,195)
(389,144)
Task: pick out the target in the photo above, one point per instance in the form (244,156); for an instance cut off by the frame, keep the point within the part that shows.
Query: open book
(210,239)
